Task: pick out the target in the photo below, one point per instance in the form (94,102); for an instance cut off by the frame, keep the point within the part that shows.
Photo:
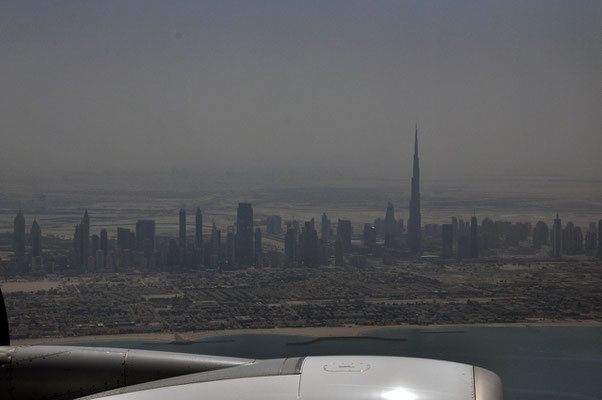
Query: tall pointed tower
(414,224)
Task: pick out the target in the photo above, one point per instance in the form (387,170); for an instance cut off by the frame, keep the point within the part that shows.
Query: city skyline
(244,225)
(391,229)
(303,247)
(243,247)
(58,204)
(195,185)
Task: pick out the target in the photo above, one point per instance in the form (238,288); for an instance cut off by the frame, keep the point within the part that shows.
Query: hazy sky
(496,87)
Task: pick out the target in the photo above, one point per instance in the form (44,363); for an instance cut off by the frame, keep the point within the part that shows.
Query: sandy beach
(350,330)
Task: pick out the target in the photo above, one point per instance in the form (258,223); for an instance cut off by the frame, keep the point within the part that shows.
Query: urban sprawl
(266,272)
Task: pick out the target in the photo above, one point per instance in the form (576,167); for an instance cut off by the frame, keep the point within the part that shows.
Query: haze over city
(215,192)
(495,87)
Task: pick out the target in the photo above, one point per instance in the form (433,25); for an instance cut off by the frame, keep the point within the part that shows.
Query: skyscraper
(455,232)
(540,234)
(145,236)
(414,224)
(244,234)
(124,239)
(36,239)
(591,240)
(19,235)
(85,237)
(309,251)
(77,233)
(463,247)
(36,246)
(197,251)
(490,233)
(95,263)
(182,230)
(258,248)
(198,231)
(568,239)
(216,245)
(94,244)
(81,241)
(230,246)
(101,254)
(325,228)
(369,235)
(339,258)
(390,225)
(447,237)
(345,231)
(104,241)
(99,260)
(474,238)
(557,238)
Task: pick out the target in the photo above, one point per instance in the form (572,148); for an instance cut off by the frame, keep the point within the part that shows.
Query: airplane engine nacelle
(68,372)
(326,378)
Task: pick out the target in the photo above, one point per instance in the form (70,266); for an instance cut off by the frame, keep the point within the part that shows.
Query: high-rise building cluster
(571,241)
(391,229)
(461,240)
(243,245)
(32,261)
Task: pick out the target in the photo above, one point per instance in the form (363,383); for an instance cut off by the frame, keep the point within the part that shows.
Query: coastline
(338,331)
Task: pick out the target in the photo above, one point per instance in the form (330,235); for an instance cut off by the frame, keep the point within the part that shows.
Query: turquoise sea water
(533,362)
